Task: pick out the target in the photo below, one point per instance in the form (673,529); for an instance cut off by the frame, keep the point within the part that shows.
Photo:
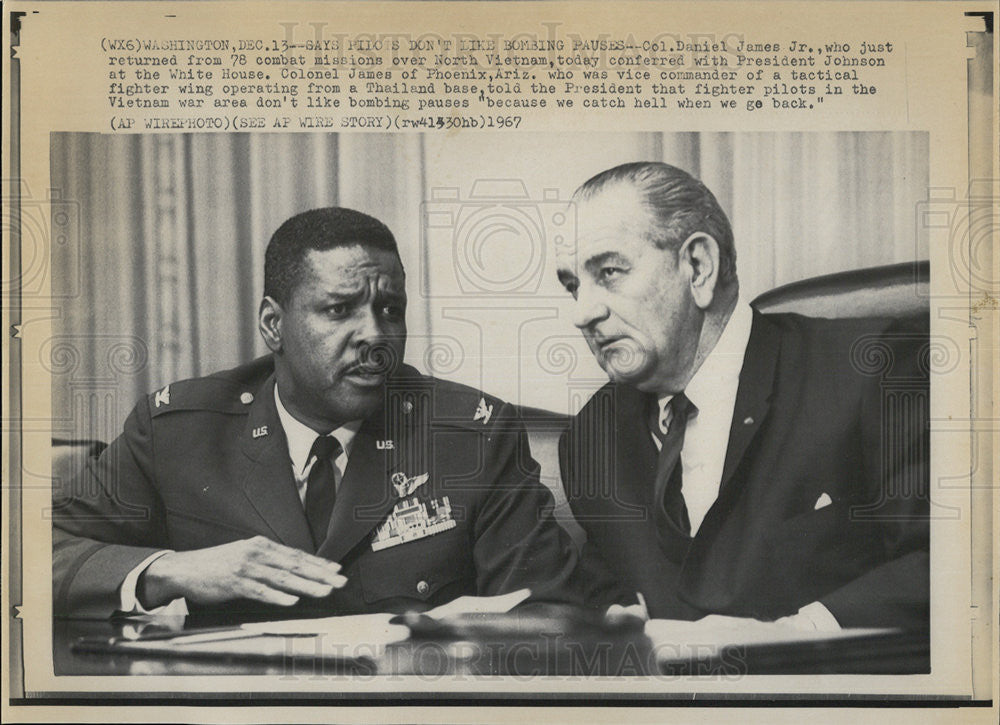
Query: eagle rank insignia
(483,411)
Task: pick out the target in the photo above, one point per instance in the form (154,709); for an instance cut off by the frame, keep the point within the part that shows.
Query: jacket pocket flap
(416,569)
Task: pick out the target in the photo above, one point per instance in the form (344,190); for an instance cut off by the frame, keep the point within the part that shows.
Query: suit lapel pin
(483,411)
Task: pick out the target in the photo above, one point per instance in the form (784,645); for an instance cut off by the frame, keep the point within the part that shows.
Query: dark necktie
(321,488)
(669,508)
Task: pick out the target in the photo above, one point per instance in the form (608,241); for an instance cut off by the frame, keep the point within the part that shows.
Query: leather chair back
(896,290)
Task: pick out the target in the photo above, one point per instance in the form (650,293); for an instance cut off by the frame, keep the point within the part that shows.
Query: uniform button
(423,587)
(246,398)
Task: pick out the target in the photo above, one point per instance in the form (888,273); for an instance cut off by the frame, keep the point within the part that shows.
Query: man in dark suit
(326,478)
(738,463)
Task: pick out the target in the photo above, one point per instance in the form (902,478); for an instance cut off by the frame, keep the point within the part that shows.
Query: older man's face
(632,300)
(343,331)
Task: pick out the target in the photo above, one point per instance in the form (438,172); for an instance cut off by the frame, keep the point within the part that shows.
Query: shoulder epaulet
(447,403)
(201,394)
(467,407)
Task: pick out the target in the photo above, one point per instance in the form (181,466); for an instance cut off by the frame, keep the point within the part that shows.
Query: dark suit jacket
(207,463)
(835,407)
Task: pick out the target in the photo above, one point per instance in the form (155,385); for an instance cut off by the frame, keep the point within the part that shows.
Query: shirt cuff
(813,617)
(129,601)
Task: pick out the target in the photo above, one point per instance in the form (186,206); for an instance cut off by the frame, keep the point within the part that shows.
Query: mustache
(375,359)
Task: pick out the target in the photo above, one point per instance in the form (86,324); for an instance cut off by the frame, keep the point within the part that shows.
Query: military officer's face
(341,334)
(632,300)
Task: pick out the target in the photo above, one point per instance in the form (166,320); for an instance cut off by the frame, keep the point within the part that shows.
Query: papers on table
(681,640)
(371,630)
(351,637)
(377,628)
(479,605)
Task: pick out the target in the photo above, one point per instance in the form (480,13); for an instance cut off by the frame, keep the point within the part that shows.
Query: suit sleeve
(592,567)
(107,522)
(896,444)
(518,542)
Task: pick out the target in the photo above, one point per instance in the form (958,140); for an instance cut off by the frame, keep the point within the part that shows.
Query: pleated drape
(164,268)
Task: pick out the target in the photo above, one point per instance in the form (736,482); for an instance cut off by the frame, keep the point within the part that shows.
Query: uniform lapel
(365,495)
(269,485)
(753,396)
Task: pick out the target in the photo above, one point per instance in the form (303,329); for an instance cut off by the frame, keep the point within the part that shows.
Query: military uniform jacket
(203,462)
(824,491)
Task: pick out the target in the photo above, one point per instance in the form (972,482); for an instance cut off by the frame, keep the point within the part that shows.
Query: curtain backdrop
(165,254)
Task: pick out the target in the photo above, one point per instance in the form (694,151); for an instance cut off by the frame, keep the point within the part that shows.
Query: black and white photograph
(490,361)
(666,393)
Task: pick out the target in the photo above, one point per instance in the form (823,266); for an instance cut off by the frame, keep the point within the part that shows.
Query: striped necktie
(668,496)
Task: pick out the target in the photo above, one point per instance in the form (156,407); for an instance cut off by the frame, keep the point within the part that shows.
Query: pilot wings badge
(405,485)
(412,518)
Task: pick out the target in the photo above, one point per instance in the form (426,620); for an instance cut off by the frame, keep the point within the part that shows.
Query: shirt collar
(720,371)
(301,437)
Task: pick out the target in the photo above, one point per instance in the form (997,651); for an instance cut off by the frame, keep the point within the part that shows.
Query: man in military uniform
(324,478)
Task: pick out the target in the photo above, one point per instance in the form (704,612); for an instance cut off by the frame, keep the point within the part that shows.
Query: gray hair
(679,204)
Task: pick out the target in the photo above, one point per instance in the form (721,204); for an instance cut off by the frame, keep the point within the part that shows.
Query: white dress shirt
(300,439)
(712,390)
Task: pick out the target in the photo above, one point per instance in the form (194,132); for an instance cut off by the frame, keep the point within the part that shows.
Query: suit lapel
(269,485)
(635,451)
(706,580)
(753,396)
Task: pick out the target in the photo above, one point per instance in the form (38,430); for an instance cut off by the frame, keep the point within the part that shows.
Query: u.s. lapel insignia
(404,485)
(483,411)
(260,431)
(413,519)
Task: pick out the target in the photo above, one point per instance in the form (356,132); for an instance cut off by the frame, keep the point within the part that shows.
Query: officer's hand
(256,568)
